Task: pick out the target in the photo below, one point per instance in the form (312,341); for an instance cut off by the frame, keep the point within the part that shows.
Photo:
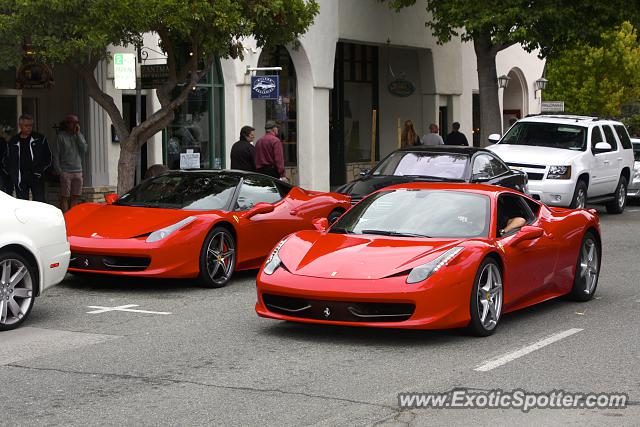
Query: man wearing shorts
(68,161)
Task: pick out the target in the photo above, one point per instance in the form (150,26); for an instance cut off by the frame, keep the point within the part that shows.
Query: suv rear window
(623,135)
(554,135)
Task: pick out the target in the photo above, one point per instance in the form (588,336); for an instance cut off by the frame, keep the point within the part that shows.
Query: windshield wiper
(340,230)
(434,178)
(392,233)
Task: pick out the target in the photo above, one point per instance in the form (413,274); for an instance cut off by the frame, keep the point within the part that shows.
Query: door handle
(606,162)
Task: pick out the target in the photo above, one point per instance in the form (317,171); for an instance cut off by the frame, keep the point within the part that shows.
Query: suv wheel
(617,205)
(579,200)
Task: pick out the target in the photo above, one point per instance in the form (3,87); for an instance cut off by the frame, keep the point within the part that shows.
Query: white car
(34,255)
(570,160)
(634,186)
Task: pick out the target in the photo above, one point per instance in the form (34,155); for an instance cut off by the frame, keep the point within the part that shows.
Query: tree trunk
(490,114)
(127,164)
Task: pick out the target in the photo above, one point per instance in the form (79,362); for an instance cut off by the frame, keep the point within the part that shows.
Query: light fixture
(503,81)
(539,85)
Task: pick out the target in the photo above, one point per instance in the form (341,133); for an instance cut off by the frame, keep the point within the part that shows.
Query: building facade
(345,89)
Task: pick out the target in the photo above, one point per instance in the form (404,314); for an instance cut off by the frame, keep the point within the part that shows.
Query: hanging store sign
(265,87)
(124,70)
(33,75)
(153,76)
(401,87)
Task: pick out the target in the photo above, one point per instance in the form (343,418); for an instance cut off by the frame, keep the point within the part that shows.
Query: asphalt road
(212,361)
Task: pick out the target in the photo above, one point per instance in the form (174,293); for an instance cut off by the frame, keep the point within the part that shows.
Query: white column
(154,144)
(313,138)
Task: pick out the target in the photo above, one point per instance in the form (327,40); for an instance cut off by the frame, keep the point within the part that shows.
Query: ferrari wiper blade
(340,230)
(392,233)
(434,178)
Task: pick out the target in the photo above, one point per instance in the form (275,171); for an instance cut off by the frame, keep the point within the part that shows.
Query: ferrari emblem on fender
(501,246)
(327,312)
(236,218)
(333,274)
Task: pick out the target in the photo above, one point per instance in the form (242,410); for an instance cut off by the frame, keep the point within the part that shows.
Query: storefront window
(195,137)
(284,110)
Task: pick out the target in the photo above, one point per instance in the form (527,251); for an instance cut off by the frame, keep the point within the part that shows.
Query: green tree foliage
(80,32)
(494,25)
(597,80)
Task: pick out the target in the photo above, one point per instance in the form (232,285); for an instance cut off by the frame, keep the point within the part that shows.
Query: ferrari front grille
(340,311)
(108,262)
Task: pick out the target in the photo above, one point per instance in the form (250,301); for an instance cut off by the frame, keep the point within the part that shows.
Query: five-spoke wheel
(587,269)
(17,282)
(486,298)
(217,258)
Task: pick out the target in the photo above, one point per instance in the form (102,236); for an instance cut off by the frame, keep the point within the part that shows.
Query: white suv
(570,160)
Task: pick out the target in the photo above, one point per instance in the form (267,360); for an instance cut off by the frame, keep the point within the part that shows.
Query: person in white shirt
(432,138)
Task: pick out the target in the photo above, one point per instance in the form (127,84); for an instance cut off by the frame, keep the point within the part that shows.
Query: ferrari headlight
(274,261)
(636,172)
(164,232)
(424,271)
(559,172)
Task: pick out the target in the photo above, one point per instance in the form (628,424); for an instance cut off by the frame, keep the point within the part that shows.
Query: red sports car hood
(342,256)
(119,222)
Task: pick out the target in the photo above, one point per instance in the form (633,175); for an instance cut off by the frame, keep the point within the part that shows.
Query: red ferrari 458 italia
(193,224)
(432,256)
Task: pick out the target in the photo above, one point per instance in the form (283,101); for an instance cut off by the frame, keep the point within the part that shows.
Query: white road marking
(506,358)
(127,308)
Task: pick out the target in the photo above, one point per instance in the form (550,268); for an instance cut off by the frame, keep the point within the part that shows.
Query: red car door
(258,234)
(529,264)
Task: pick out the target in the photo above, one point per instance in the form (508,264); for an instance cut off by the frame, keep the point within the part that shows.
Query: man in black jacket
(28,160)
(243,153)
(456,137)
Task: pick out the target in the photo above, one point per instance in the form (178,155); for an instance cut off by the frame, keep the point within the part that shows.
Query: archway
(514,105)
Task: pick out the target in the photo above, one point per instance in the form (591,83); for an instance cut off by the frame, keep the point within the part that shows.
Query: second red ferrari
(193,224)
(432,256)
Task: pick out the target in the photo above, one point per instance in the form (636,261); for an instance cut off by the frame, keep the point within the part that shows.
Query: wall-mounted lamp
(539,85)
(503,81)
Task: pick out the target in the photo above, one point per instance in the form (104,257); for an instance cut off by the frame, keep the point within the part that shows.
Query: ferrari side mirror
(321,224)
(110,198)
(528,232)
(259,208)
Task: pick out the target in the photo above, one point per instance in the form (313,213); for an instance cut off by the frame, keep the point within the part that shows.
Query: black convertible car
(436,164)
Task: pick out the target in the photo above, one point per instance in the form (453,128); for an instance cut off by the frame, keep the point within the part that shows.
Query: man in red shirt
(269,153)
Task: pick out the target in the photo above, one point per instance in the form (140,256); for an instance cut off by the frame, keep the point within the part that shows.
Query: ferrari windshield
(418,213)
(189,191)
(554,135)
(445,166)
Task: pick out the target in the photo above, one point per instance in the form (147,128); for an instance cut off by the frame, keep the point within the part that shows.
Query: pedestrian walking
(432,138)
(243,153)
(28,160)
(409,136)
(67,161)
(456,137)
(5,180)
(270,153)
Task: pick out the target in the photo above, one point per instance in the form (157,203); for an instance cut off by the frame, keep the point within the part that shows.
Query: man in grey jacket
(67,160)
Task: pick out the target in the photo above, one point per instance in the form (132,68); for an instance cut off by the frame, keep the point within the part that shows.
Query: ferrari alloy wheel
(334,215)
(218,258)
(486,299)
(17,280)
(617,205)
(587,269)
(580,196)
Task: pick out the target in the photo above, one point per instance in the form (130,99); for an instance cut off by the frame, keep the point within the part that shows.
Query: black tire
(476,326)
(584,290)
(617,205)
(334,215)
(217,258)
(28,286)
(579,199)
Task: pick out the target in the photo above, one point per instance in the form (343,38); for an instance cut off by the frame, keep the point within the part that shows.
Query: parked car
(570,160)
(34,255)
(436,164)
(193,224)
(633,190)
(432,256)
